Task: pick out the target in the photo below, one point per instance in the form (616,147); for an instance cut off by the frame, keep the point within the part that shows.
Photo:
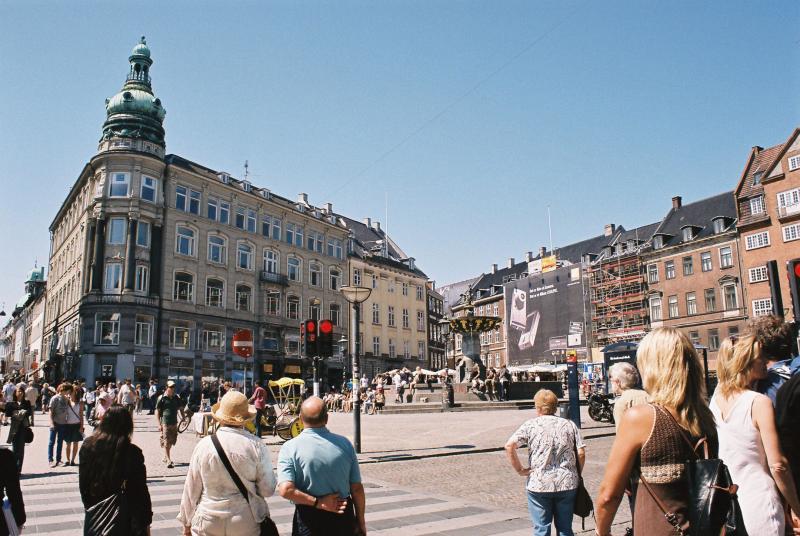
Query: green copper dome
(135,112)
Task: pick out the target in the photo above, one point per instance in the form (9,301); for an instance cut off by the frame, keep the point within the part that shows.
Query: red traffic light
(797,269)
(325,327)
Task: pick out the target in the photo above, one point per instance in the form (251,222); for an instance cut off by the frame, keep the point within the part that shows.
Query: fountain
(470,327)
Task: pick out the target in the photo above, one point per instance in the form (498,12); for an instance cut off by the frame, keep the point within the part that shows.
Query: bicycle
(183,425)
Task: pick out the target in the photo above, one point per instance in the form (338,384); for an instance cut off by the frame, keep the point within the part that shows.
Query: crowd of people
(664,418)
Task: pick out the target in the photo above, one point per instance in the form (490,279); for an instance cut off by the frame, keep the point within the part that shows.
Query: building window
(144,331)
(405,319)
(184,242)
(757,205)
(652,273)
(694,337)
(181,194)
(143,234)
(217,249)
(725,257)
(719,225)
(687,233)
(215,290)
(789,202)
(116,231)
(244,297)
(293,267)
(420,350)
(374,281)
(390,285)
(183,289)
(705,261)
(251,221)
(376,346)
(669,270)
(673,306)
(655,308)
(213,338)
(391,316)
(691,303)
(791,232)
(495,312)
(376,313)
(392,349)
(335,314)
(314,309)
(271,260)
(710,296)
(224,212)
(757,240)
(194,202)
(334,248)
(758,274)
(119,185)
(314,275)
(658,242)
(107,329)
(356,277)
(420,321)
(406,350)
(272,224)
(244,256)
(142,279)
(180,336)
(335,278)
(238,219)
(688,266)
(405,288)
(212,210)
(713,340)
(762,307)
(731,301)
(794,162)
(419,292)
(292,307)
(148,192)
(273,302)
(314,241)
(113,278)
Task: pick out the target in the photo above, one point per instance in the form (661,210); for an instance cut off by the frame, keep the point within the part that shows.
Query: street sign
(242,344)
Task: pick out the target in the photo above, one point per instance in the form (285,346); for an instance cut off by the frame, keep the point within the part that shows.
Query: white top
(151,392)
(8,391)
(126,394)
(73,414)
(31,394)
(741,449)
(551,443)
(210,488)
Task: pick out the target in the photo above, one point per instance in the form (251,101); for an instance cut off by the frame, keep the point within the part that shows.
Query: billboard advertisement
(545,316)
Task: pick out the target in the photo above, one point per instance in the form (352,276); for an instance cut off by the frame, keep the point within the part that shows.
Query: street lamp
(356,296)
(444,324)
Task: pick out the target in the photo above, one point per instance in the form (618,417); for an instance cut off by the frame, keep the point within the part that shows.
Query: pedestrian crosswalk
(56,509)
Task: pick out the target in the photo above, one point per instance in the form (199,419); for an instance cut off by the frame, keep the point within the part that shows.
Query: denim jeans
(543,506)
(57,439)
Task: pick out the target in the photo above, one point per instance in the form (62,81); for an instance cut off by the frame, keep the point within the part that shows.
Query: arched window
(244,256)
(335,314)
(314,307)
(217,249)
(292,307)
(314,274)
(244,297)
(185,240)
(215,292)
(293,269)
(183,289)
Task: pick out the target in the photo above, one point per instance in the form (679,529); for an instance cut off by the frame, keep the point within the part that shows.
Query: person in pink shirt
(259,400)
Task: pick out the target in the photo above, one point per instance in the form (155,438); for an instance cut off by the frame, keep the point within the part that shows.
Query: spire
(134,113)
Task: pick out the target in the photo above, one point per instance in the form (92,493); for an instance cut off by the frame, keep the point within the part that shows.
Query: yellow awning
(286,382)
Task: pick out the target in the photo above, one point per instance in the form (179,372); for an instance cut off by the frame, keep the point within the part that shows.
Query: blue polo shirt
(319,462)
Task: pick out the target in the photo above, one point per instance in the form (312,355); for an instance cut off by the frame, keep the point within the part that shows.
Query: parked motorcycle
(601,408)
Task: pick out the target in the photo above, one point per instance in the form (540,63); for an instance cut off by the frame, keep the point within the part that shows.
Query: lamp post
(356,296)
(343,345)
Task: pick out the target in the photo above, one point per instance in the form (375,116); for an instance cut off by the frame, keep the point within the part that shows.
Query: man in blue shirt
(318,471)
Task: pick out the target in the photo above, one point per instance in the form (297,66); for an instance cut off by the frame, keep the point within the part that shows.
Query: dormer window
(720,224)
(757,177)
(264,193)
(658,241)
(687,233)
(224,178)
(757,205)
(246,186)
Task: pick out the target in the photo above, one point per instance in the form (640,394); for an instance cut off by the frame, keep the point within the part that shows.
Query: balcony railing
(121,298)
(270,277)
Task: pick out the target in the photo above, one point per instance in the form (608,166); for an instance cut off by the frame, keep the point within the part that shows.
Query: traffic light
(325,342)
(309,332)
(793,269)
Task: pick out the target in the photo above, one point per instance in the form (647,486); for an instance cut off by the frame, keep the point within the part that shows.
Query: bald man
(318,471)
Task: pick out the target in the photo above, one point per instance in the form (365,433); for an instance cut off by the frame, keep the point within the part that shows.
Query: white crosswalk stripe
(56,509)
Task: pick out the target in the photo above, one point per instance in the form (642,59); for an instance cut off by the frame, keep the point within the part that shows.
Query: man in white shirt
(8,396)
(152,391)
(127,396)
(32,395)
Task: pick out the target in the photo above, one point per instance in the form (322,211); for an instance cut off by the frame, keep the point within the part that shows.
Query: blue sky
(471,117)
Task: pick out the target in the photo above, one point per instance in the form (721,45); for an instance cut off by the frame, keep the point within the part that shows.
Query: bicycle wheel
(183,425)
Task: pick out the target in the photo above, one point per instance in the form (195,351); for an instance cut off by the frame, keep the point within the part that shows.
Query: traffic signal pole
(316,379)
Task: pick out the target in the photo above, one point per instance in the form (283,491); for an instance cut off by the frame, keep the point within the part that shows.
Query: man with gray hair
(624,379)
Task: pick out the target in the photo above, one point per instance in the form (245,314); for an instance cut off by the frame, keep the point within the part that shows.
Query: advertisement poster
(545,316)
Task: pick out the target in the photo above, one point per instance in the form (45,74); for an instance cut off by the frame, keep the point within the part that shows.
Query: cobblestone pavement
(445,477)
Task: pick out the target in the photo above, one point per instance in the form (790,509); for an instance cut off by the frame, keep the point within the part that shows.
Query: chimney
(376,225)
(542,252)
(329,208)
(302,199)
(676,201)
(609,229)
(494,268)
(529,256)
(511,262)
(367,222)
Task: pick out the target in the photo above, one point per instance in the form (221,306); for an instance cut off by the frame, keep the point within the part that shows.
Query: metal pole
(316,380)
(355,393)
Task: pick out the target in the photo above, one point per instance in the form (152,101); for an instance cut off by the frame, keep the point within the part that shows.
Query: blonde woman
(653,433)
(748,440)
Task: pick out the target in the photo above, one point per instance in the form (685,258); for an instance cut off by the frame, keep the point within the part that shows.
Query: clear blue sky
(472,116)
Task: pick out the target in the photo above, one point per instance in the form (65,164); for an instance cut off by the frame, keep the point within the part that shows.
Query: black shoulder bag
(111,516)
(268,527)
(712,501)
(583,501)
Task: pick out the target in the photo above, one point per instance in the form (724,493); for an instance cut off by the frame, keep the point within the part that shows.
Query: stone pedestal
(471,348)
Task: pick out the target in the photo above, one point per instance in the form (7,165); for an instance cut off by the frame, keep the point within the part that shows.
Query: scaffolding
(618,299)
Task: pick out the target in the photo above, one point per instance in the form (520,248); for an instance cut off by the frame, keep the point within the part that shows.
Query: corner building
(156,261)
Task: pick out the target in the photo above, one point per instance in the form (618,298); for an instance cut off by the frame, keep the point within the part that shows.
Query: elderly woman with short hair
(553,472)
(624,379)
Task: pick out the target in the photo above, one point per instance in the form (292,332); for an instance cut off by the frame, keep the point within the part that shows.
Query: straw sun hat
(233,409)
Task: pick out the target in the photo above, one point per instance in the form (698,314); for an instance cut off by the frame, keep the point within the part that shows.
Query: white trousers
(239,524)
